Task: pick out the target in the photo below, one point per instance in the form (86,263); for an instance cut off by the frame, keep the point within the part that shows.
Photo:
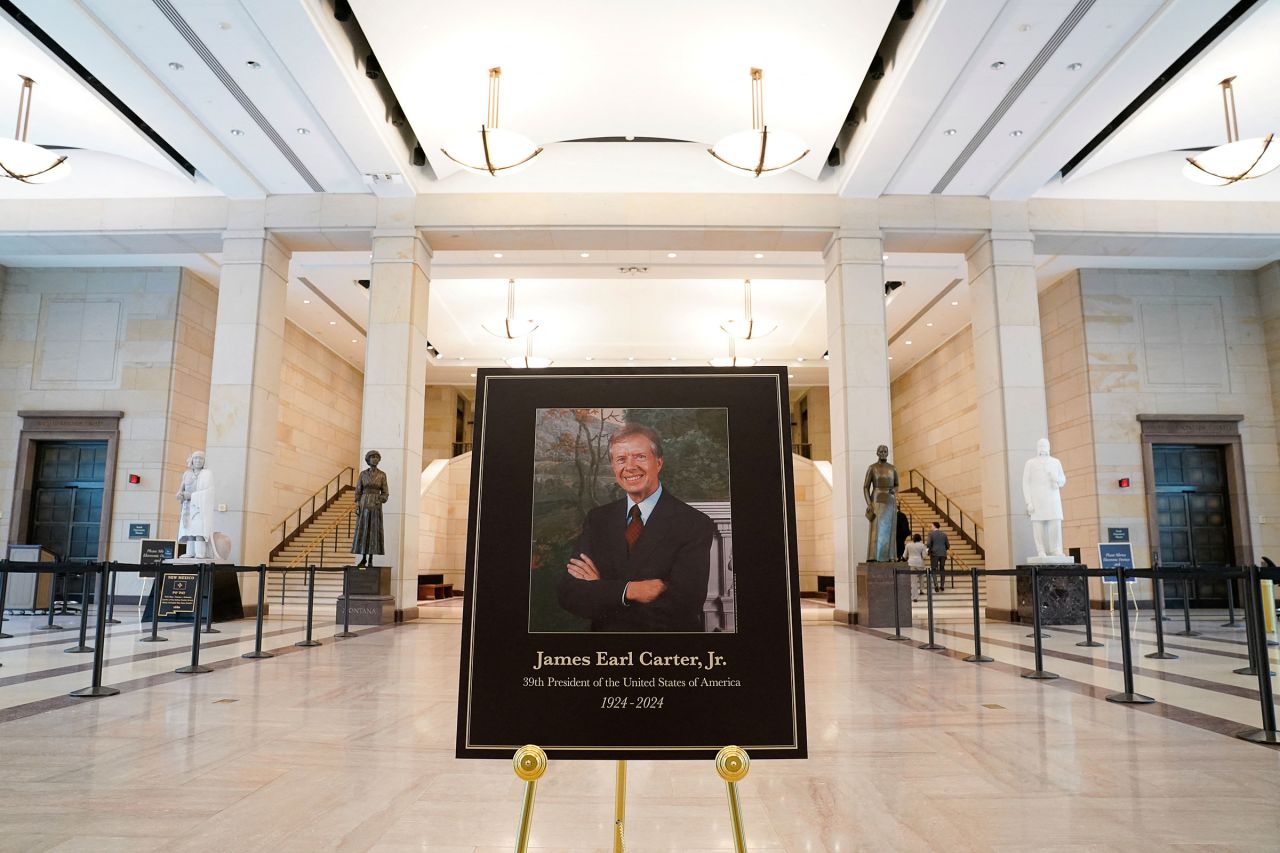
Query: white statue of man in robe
(195,522)
(1042,482)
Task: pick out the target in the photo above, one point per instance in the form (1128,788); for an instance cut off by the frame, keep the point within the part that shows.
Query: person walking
(913,553)
(938,545)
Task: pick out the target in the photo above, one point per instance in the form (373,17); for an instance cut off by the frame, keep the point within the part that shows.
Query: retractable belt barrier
(106,573)
(1253,609)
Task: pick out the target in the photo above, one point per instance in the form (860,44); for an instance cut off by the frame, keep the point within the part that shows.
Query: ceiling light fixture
(1015,133)
(1075,66)
(746,328)
(671,254)
(24,161)
(235,131)
(955,301)
(950,131)
(176,66)
(497,254)
(528,360)
(333,322)
(253,64)
(492,150)
(584,254)
(758,256)
(760,150)
(306,302)
(302,131)
(511,327)
(733,359)
(1238,160)
(997,65)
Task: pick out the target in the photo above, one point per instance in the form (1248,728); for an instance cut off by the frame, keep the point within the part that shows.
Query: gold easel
(530,763)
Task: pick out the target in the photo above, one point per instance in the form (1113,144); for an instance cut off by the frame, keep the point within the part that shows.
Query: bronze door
(1193,514)
(66,499)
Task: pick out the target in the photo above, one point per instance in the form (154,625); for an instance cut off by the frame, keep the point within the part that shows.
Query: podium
(368,596)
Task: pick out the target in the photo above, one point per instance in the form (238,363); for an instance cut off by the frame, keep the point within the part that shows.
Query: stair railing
(919,525)
(333,531)
(964,524)
(319,501)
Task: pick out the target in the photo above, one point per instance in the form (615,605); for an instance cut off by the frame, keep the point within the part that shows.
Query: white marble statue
(195,522)
(1042,482)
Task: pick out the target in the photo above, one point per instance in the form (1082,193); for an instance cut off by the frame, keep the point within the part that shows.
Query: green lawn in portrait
(572,475)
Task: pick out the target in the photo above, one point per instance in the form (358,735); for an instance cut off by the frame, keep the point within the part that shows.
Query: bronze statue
(880,488)
(371,494)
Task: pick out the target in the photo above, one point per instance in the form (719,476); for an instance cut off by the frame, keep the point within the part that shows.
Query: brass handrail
(335,482)
(968,529)
(322,537)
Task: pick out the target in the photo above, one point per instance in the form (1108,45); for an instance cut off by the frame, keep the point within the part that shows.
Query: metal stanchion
(208,614)
(1128,696)
(80,647)
(4,590)
(897,614)
(257,628)
(1039,672)
(1257,628)
(1157,590)
(53,594)
(195,666)
(311,602)
(1257,651)
(1186,610)
(346,607)
(928,580)
(156,583)
(1231,607)
(1089,642)
(95,687)
(977,656)
(111,602)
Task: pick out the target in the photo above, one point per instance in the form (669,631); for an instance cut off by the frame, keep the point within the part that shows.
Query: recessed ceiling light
(673,358)
(891,358)
(497,254)
(884,257)
(799,358)
(997,65)
(302,131)
(235,131)
(629,138)
(1075,66)
(584,254)
(354,341)
(950,131)
(176,66)
(908,343)
(791,376)
(589,357)
(955,302)
(671,254)
(631,358)
(253,64)
(758,255)
(460,358)
(333,322)
(1015,133)
(930,325)
(306,302)
(473,376)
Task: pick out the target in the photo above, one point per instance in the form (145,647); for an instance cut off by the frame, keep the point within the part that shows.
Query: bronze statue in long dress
(880,488)
(371,494)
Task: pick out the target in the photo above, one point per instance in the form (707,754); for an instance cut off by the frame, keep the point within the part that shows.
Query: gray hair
(628,430)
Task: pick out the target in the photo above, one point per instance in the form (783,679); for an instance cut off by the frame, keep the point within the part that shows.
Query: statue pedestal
(875,595)
(369,591)
(1050,561)
(1062,600)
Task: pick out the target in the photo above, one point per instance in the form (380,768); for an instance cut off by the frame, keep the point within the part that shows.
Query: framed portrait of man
(631,580)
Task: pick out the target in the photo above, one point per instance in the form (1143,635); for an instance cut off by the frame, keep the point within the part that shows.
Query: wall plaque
(597,632)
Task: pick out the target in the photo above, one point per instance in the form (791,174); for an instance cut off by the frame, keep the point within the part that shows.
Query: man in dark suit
(643,561)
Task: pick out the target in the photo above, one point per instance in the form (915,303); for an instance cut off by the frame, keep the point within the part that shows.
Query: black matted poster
(631,586)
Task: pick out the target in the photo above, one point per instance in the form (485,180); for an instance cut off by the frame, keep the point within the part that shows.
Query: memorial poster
(631,578)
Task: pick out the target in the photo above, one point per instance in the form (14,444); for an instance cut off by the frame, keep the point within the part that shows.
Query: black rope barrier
(928,580)
(1128,696)
(1088,641)
(194,667)
(897,612)
(157,581)
(977,656)
(1266,734)
(346,608)
(4,591)
(1157,601)
(311,606)
(1039,673)
(80,647)
(95,688)
(257,618)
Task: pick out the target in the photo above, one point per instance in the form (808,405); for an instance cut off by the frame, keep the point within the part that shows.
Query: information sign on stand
(596,634)
(177,595)
(1115,555)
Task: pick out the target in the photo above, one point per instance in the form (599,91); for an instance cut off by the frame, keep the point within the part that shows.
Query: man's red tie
(634,528)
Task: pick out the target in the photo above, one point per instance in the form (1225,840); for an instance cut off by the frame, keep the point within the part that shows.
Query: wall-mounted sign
(139,529)
(1117,534)
(631,576)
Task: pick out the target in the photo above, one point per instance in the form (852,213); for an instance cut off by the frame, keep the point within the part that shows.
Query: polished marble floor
(348,746)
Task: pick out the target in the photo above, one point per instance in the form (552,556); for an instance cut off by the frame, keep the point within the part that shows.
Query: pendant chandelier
(733,359)
(528,360)
(1238,160)
(747,328)
(491,150)
(23,161)
(759,151)
(511,327)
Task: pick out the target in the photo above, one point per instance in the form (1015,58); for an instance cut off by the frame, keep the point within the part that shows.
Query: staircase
(966,556)
(305,550)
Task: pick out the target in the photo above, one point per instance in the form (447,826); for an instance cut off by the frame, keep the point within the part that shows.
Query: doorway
(66,498)
(1193,515)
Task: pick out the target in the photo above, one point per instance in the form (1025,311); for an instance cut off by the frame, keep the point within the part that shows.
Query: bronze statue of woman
(880,488)
(371,494)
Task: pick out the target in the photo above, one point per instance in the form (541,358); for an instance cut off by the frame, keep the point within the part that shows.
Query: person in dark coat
(642,563)
(371,494)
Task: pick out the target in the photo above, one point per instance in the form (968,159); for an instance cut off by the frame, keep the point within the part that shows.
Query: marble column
(1012,413)
(395,381)
(244,389)
(861,414)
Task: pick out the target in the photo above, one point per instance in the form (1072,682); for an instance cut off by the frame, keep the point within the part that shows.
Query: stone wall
(813,520)
(442,525)
(318,431)
(438,416)
(935,423)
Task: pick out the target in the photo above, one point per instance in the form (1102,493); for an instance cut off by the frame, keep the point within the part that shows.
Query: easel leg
(732,764)
(530,763)
(619,807)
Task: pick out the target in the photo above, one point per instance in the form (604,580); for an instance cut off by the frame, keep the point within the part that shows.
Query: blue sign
(1115,555)
(139,530)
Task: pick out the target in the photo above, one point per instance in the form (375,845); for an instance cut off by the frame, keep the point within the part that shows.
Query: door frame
(40,426)
(1205,431)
